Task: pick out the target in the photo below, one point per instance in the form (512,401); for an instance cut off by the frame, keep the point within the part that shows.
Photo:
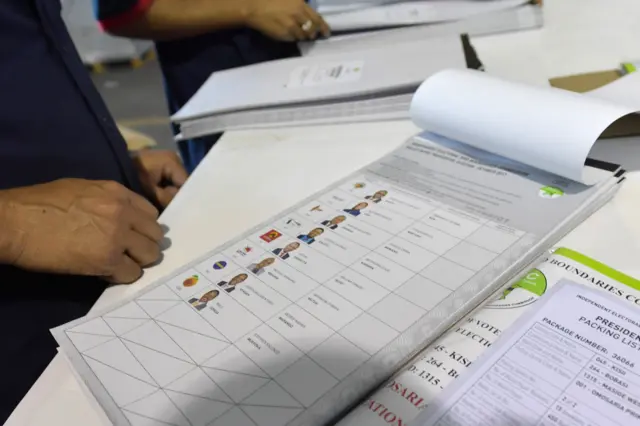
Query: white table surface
(250,176)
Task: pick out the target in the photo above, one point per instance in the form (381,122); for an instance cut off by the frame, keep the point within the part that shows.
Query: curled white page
(550,129)
(624,91)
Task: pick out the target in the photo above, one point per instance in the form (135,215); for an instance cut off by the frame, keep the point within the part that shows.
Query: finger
(294,29)
(166,195)
(126,272)
(147,227)
(278,31)
(318,21)
(122,193)
(142,205)
(175,172)
(141,249)
(307,24)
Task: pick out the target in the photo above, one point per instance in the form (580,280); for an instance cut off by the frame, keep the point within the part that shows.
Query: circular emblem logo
(522,293)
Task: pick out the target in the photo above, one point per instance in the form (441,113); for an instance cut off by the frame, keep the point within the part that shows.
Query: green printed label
(550,192)
(599,267)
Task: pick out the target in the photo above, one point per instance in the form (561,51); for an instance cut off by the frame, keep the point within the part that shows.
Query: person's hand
(285,20)
(161,174)
(79,227)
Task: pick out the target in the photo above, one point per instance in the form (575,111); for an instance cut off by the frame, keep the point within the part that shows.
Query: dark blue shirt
(53,124)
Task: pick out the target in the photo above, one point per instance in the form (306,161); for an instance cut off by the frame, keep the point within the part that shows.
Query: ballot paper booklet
(303,319)
(372,83)
(476,17)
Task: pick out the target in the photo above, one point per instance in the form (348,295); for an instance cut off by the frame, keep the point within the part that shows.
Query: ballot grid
(306,310)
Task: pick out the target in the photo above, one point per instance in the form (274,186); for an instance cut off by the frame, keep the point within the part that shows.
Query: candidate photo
(231,285)
(356,210)
(333,223)
(377,196)
(310,238)
(258,268)
(283,253)
(202,302)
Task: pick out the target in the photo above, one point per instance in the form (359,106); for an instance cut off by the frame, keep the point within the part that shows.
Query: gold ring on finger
(306,27)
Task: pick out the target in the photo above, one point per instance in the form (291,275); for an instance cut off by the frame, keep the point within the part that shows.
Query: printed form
(296,318)
(572,361)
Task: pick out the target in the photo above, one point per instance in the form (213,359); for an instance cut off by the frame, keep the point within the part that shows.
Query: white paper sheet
(308,79)
(340,6)
(624,91)
(572,361)
(553,129)
(414,12)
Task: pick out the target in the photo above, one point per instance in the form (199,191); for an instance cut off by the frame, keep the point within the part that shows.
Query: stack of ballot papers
(518,18)
(367,85)
(475,16)
(301,319)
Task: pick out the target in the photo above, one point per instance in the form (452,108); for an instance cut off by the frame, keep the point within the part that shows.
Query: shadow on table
(239,392)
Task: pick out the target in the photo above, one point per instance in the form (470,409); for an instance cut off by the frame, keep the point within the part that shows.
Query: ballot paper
(625,91)
(337,6)
(413,13)
(370,85)
(573,360)
(296,320)
(527,16)
(559,145)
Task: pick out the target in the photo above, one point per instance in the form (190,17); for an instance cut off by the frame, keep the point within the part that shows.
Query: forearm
(11,238)
(174,19)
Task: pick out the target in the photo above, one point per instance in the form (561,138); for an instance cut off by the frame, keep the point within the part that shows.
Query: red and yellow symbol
(191,281)
(270,235)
